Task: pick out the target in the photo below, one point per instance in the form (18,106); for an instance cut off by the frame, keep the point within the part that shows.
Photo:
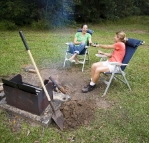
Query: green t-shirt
(81,38)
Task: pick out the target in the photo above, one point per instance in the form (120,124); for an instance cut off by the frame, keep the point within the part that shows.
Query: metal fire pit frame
(45,119)
(25,96)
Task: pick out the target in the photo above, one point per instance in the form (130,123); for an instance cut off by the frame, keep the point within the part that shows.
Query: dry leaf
(28,132)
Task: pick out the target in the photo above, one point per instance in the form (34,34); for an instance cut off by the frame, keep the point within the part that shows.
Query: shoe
(88,88)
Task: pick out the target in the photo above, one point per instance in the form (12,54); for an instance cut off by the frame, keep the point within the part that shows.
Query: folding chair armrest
(124,64)
(118,64)
(87,47)
(143,42)
(67,43)
(101,56)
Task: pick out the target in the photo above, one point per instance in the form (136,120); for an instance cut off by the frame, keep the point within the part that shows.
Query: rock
(32,71)
(1,84)
(1,88)
(30,68)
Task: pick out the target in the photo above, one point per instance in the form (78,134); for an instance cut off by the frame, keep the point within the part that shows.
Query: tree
(19,11)
(55,13)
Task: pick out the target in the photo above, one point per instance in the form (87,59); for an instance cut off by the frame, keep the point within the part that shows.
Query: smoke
(57,12)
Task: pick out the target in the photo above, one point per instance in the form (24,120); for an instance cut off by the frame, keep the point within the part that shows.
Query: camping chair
(83,57)
(131,46)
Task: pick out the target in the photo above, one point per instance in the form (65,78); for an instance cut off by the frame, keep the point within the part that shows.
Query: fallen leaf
(28,132)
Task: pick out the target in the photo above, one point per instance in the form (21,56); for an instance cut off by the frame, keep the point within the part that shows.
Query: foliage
(57,13)
(96,10)
(7,25)
(19,12)
(40,25)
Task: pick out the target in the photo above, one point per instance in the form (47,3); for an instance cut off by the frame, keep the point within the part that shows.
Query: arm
(106,54)
(90,41)
(105,46)
(75,41)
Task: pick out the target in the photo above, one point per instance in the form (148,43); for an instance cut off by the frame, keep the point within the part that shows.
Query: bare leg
(94,67)
(76,59)
(73,56)
(97,72)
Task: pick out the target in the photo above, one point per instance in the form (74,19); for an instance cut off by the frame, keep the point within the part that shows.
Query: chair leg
(108,84)
(124,79)
(88,59)
(88,56)
(64,63)
(123,74)
(84,62)
(65,59)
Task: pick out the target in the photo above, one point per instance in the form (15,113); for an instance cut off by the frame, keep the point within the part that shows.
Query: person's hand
(94,44)
(100,52)
(90,44)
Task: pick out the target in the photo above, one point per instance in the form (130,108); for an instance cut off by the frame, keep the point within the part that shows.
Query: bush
(7,25)
(47,24)
(40,25)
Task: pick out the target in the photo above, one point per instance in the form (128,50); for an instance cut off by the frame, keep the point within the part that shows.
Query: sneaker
(88,88)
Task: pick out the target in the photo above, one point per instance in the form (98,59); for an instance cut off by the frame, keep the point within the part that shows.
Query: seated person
(116,56)
(80,41)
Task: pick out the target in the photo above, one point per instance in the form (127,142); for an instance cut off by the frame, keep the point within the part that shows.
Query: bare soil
(79,110)
(77,113)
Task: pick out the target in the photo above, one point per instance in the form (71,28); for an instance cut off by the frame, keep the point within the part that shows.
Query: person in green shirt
(80,41)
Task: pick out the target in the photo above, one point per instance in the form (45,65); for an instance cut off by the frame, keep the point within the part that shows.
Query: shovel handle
(33,62)
(39,76)
(23,39)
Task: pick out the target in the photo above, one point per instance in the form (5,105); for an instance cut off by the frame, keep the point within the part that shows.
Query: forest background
(46,14)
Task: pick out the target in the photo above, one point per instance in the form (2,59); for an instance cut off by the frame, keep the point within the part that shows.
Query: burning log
(58,86)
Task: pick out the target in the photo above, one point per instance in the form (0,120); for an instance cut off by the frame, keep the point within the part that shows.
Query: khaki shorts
(111,67)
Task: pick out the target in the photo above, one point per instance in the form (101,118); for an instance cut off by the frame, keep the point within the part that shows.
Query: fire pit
(26,96)
(30,101)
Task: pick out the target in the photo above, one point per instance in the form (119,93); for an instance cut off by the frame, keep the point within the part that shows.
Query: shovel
(57,115)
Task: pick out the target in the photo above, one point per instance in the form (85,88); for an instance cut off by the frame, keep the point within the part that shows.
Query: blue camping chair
(83,57)
(131,47)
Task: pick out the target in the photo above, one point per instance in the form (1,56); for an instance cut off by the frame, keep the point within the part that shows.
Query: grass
(127,121)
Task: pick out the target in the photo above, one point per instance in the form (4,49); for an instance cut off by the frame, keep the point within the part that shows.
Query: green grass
(127,121)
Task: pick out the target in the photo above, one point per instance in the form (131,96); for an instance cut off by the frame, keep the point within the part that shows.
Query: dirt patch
(80,109)
(77,113)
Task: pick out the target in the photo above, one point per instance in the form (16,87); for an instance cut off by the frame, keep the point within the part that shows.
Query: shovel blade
(58,118)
